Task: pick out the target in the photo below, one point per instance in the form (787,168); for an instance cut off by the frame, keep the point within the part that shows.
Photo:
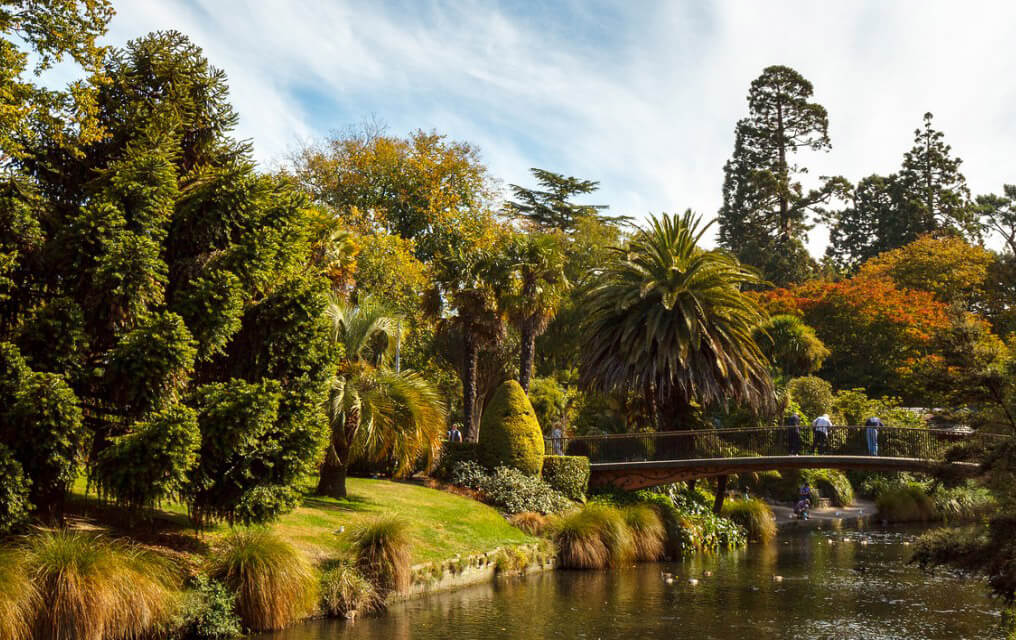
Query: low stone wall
(433,577)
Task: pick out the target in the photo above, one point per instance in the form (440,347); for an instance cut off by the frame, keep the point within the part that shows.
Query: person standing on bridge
(821,432)
(794,434)
(871,434)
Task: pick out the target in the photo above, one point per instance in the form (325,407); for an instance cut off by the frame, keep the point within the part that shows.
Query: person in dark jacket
(794,434)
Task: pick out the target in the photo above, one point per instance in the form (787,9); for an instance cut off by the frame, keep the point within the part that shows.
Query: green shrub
(832,484)
(551,401)
(14,504)
(812,394)
(906,503)
(531,522)
(512,491)
(94,588)
(381,546)
(567,474)
(754,515)
(345,592)
(510,435)
(967,502)
(274,585)
(19,599)
(453,453)
(647,531)
(468,474)
(210,612)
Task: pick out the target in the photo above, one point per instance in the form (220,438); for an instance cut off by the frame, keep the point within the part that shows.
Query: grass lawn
(442,524)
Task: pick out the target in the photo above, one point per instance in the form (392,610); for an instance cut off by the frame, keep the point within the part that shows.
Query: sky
(640,95)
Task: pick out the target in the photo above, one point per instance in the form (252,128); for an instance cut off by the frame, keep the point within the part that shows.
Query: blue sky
(640,95)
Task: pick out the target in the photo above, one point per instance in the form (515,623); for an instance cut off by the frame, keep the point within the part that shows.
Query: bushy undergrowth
(274,585)
(453,453)
(345,592)
(91,587)
(754,515)
(568,475)
(906,503)
(14,503)
(509,490)
(967,502)
(381,546)
(209,612)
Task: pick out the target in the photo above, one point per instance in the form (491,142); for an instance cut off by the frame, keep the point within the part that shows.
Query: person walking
(454,435)
(821,433)
(794,434)
(557,440)
(871,434)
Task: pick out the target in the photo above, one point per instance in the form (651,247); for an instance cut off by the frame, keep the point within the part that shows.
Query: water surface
(845,585)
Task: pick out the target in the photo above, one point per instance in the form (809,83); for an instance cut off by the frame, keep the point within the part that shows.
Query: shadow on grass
(353,504)
(152,527)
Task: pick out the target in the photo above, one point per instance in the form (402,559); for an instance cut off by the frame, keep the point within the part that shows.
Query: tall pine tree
(766,210)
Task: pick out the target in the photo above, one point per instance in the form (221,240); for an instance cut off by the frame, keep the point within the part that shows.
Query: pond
(842,585)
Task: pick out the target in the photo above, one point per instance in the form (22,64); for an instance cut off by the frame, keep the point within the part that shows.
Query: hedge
(567,474)
(510,434)
(451,454)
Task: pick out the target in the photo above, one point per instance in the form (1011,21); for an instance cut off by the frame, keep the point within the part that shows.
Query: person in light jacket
(821,432)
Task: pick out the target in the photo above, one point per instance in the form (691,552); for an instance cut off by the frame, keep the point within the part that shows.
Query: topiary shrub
(567,474)
(510,435)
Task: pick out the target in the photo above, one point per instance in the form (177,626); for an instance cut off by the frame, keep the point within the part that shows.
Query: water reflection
(840,585)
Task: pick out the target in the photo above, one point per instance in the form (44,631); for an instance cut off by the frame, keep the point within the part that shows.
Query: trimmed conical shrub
(510,434)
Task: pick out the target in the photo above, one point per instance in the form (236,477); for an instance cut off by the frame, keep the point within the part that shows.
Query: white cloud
(641,96)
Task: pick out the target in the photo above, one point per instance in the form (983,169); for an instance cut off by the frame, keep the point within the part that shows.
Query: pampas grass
(592,537)
(529,521)
(346,592)
(93,588)
(19,599)
(275,586)
(381,546)
(754,515)
(647,531)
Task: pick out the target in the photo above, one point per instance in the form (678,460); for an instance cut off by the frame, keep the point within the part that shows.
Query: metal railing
(895,442)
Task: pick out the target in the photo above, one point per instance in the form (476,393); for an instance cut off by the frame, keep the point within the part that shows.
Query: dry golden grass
(382,546)
(647,531)
(274,584)
(531,522)
(19,599)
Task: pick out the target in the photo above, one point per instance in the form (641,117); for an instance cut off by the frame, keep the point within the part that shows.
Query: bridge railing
(896,442)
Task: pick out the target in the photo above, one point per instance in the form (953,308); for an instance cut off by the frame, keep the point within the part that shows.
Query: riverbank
(860,513)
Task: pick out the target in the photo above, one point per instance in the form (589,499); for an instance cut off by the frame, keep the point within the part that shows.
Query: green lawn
(442,524)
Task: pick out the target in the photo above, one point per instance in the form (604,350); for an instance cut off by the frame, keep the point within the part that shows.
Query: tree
(156,274)
(928,194)
(549,208)
(537,263)
(946,265)
(791,345)
(666,320)
(877,334)
(765,213)
(424,187)
(372,409)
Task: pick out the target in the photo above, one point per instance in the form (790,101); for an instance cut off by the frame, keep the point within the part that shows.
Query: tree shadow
(349,504)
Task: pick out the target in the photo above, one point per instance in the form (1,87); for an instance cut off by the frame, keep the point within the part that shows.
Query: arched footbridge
(638,460)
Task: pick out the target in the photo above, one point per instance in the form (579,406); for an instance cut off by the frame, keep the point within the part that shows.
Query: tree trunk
(721,493)
(469,388)
(332,481)
(784,176)
(527,353)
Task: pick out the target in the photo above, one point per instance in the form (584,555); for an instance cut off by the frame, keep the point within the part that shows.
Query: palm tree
(374,411)
(537,263)
(667,320)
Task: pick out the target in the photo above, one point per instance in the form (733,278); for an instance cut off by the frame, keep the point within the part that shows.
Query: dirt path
(833,517)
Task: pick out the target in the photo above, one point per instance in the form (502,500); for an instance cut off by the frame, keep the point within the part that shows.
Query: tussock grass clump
(93,588)
(647,532)
(382,553)
(593,537)
(531,522)
(906,503)
(754,515)
(18,597)
(274,584)
(346,592)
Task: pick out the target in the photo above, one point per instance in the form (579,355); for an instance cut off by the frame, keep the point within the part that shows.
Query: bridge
(639,460)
